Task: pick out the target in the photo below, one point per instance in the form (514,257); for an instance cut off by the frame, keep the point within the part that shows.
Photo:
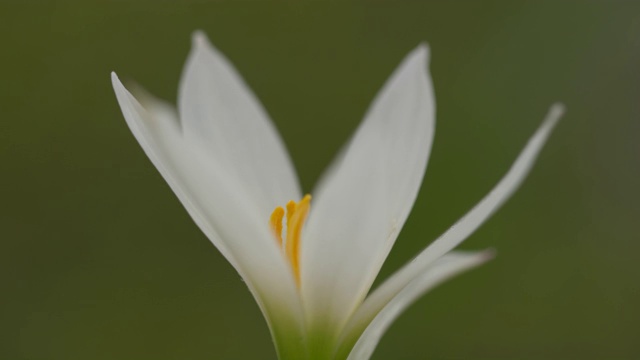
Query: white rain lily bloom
(312,275)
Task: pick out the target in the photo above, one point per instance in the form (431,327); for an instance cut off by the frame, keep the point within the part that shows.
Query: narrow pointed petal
(220,112)
(440,270)
(467,224)
(221,208)
(361,205)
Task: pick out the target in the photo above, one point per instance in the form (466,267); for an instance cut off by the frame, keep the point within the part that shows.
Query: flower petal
(440,270)
(221,208)
(389,289)
(361,205)
(219,111)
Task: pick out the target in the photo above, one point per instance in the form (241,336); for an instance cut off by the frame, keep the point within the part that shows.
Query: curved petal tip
(553,116)
(116,83)
(489,254)
(420,55)
(424,50)
(199,39)
(557,110)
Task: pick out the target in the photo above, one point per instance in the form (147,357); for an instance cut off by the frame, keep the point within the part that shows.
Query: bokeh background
(98,260)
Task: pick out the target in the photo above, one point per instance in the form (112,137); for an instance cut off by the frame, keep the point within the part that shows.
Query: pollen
(296,216)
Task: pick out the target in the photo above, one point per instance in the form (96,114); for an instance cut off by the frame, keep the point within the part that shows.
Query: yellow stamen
(296,216)
(291,208)
(294,229)
(276,223)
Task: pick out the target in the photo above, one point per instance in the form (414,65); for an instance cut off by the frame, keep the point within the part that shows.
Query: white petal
(219,206)
(361,205)
(219,111)
(442,269)
(467,224)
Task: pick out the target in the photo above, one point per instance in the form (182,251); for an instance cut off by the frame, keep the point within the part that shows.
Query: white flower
(225,161)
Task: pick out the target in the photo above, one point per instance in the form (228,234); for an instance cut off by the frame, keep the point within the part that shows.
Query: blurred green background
(98,260)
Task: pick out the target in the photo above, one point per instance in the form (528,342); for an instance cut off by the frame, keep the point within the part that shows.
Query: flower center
(296,215)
